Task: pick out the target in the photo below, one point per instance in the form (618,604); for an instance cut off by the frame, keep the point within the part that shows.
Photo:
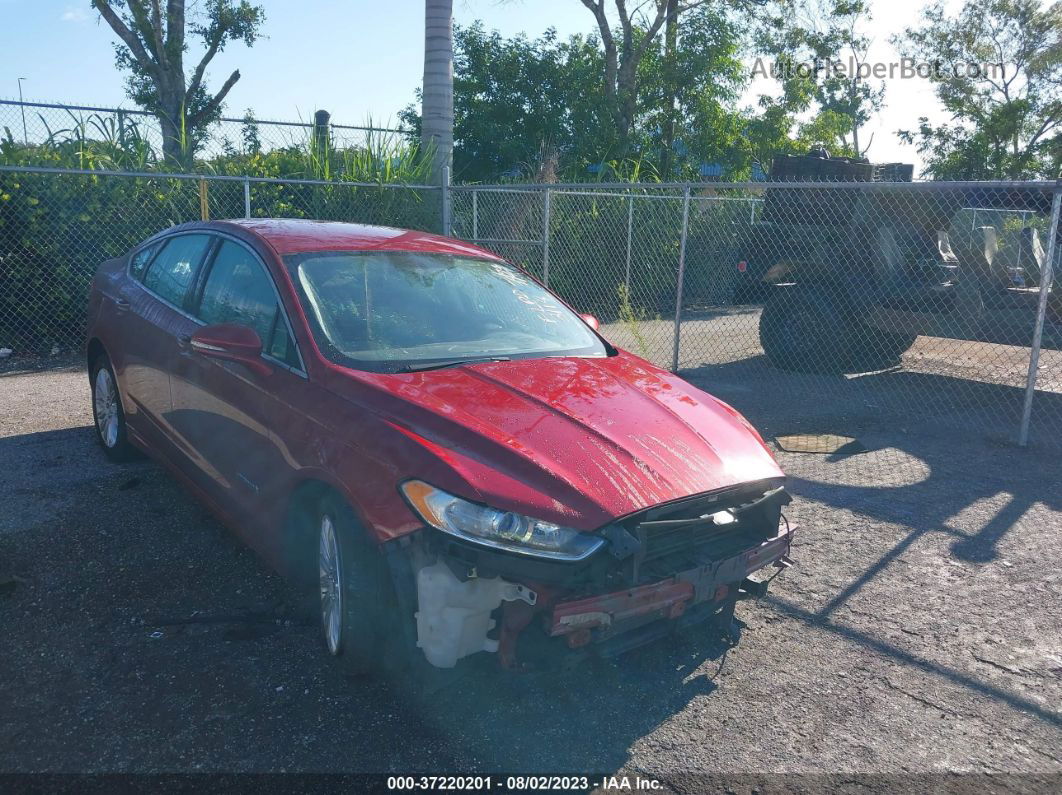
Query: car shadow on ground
(141,635)
(581,719)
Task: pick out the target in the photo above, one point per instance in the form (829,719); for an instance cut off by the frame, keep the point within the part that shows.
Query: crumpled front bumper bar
(596,618)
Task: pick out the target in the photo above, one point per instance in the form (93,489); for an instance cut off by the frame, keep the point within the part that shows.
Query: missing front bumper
(707,588)
(679,568)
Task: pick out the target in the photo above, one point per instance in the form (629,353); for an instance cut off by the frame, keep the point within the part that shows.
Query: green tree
(522,109)
(997,69)
(626,36)
(847,98)
(686,113)
(152,47)
(671,86)
(821,59)
(522,104)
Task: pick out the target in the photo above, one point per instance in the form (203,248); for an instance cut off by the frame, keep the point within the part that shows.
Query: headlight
(499,529)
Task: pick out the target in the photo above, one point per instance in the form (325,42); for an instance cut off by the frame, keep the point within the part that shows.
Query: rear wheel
(804,329)
(107,413)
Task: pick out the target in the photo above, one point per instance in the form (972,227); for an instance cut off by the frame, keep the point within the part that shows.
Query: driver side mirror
(591,321)
(232,343)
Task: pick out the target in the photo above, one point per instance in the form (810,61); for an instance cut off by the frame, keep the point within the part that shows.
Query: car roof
(295,236)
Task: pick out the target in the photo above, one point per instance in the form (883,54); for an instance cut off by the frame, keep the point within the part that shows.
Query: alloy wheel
(331,576)
(106,403)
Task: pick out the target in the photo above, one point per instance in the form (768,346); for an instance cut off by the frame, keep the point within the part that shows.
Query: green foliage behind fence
(615,255)
(55,229)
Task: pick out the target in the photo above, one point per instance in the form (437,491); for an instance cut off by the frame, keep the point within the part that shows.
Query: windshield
(388,311)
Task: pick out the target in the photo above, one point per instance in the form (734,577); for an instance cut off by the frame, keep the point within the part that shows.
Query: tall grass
(117,142)
(96,142)
(385,158)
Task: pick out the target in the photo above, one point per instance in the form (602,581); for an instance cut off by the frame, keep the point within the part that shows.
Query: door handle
(122,303)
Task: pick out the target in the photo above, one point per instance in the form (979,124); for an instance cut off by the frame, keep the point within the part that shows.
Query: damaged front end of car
(478,579)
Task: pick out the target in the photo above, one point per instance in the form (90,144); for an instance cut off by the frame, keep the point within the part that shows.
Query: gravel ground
(920,632)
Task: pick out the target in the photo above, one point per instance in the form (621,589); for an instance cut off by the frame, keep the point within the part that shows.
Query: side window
(173,270)
(140,261)
(238,290)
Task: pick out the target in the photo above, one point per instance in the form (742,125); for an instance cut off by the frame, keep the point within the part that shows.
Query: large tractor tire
(804,328)
(873,349)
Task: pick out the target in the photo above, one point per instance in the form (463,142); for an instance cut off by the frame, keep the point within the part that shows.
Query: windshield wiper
(416,368)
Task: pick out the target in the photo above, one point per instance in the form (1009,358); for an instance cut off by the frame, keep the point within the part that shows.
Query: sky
(359,59)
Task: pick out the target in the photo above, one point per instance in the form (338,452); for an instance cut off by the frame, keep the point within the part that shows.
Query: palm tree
(437,101)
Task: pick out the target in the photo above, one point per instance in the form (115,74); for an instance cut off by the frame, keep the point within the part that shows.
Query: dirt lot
(920,632)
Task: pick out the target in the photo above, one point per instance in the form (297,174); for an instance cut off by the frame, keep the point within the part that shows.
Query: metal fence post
(475,214)
(1021,240)
(446,201)
(681,274)
(1046,278)
(630,226)
(246,198)
(545,236)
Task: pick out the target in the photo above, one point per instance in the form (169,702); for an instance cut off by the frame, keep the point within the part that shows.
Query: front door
(220,408)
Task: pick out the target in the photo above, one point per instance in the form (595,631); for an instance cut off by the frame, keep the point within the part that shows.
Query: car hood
(579,441)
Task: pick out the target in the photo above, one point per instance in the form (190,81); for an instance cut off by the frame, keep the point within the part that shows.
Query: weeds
(632,318)
(117,142)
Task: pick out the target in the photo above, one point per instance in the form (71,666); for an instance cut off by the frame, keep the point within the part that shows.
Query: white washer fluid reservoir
(453,617)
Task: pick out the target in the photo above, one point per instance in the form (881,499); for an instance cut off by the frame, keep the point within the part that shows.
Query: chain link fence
(861,308)
(135,138)
(853,307)
(57,226)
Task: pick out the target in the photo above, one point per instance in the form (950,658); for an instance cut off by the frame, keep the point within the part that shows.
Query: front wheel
(356,594)
(107,413)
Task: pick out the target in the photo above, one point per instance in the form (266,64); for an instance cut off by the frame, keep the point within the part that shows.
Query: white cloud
(74,14)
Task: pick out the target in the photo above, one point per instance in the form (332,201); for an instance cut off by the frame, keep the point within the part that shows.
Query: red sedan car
(457,459)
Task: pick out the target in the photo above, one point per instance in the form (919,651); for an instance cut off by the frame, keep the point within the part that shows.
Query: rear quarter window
(139,261)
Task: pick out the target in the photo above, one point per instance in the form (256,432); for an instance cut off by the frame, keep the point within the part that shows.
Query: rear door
(220,408)
(152,321)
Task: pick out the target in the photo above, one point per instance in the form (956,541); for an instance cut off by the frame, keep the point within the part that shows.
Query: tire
(356,604)
(108,416)
(805,330)
(875,349)
(750,291)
